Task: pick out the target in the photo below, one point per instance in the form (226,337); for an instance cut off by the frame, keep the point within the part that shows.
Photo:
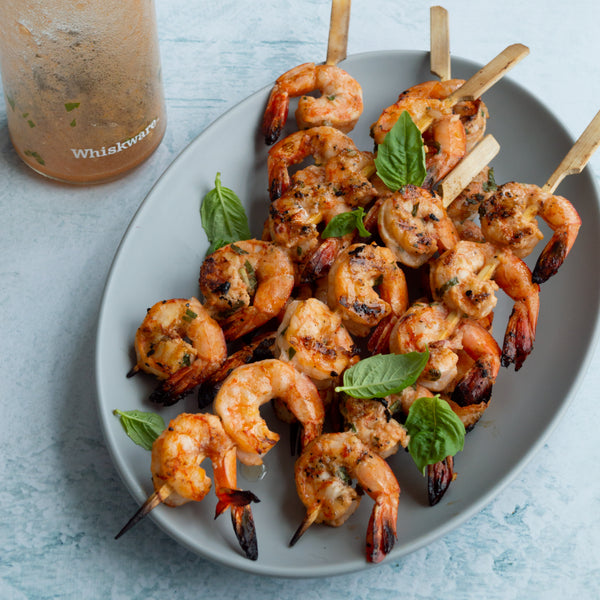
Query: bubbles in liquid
(253,472)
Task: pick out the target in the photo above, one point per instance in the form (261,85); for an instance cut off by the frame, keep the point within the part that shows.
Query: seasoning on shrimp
(366,285)
(313,339)
(508,220)
(180,344)
(245,284)
(414,225)
(250,386)
(466,278)
(340,105)
(178,477)
(322,143)
(323,474)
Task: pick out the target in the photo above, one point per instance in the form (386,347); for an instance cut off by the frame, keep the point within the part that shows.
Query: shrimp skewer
(446,336)
(340,104)
(366,286)
(508,215)
(349,170)
(180,344)
(435,106)
(466,278)
(322,474)
(313,339)
(250,386)
(246,284)
(178,477)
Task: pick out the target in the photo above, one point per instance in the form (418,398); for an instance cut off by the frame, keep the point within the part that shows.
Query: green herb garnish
(346,223)
(446,286)
(400,158)
(189,315)
(69,106)
(248,276)
(490,184)
(142,427)
(435,431)
(383,374)
(223,217)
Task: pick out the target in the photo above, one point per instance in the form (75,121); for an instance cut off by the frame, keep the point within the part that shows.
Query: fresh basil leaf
(400,158)
(223,217)
(383,374)
(142,427)
(346,223)
(435,431)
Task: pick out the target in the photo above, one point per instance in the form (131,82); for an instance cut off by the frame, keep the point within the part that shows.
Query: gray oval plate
(160,257)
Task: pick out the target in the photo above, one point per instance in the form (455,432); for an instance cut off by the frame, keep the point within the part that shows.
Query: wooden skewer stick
(152,502)
(578,156)
(439,42)
(466,170)
(337,45)
(483,80)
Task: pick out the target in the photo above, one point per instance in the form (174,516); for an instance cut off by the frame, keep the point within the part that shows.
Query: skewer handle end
(578,156)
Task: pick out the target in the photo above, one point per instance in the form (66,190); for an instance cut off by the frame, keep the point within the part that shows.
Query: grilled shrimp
(455,129)
(446,143)
(248,387)
(371,421)
(246,284)
(340,105)
(365,285)
(447,335)
(322,143)
(313,339)
(466,279)
(178,477)
(508,220)
(414,225)
(180,344)
(422,101)
(295,217)
(465,207)
(323,474)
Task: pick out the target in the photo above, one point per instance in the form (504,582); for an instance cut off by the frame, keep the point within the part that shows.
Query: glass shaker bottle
(82,85)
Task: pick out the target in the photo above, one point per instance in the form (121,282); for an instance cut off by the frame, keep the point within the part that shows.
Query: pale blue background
(61,500)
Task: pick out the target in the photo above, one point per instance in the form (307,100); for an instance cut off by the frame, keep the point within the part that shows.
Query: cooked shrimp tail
(276,114)
(520,334)
(245,531)
(381,532)
(553,256)
(476,385)
(150,504)
(233,498)
(309,518)
(177,386)
(241,517)
(439,477)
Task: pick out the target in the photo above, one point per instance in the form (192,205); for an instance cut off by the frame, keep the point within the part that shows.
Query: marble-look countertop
(61,499)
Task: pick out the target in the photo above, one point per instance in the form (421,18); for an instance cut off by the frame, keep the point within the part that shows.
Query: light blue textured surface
(61,501)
